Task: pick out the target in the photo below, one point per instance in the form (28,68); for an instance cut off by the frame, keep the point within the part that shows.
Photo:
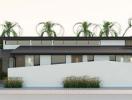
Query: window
(36,42)
(58,42)
(11,42)
(128,43)
(93,43)
(24,42)
(76,58)
(58,59)
(11,62)
(90,58)
(70,43)
(29,60)
(120,58)
(112,58)
(82,43)
(46,42)
(36,60)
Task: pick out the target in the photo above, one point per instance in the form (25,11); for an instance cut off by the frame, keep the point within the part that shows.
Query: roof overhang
(73,50)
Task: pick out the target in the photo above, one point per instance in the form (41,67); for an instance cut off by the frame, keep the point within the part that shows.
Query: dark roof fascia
(73,53)
(65,38)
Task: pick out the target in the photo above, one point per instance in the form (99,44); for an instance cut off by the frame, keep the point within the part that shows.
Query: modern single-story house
(37,51)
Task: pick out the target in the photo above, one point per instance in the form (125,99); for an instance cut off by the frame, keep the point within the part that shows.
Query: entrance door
(76,58)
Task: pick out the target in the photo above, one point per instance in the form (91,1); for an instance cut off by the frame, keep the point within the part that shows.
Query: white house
(26,55)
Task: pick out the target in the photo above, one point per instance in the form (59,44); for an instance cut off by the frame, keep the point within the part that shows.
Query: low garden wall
(111,74)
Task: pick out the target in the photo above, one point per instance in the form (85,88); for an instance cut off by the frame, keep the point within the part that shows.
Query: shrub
(13,82)
(3,75)
(81,82)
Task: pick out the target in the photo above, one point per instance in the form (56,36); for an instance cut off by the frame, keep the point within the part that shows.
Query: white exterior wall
(101,58)
(45,59)
(66,94)
(112,74)
(10,46)
(68,59)
(112,42)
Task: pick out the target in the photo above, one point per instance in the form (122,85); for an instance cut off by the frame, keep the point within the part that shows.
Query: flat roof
(73,50)
(65,38)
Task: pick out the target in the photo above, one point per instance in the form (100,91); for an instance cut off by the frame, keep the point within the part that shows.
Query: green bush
(13,82)
(81,82)
(3,75)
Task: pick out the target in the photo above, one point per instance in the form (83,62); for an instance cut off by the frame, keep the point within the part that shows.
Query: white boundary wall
(112,74)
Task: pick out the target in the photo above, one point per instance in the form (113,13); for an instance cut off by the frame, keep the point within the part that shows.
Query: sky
(28,13)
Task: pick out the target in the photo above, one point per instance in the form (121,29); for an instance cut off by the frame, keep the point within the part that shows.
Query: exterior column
(68,59)
(30,42)
(84,59)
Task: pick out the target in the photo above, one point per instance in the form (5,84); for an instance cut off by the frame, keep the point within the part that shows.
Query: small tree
(9,29)
(83,28)
(48,28)
(108,29)
(129,26)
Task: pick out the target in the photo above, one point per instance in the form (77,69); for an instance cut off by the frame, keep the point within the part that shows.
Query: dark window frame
(90,60)
(34,60)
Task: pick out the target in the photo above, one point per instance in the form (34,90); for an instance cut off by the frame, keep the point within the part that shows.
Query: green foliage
(8,29)
(107,30)
(83,29)
(13,82)
(48,29)
(81,82)
(3,75)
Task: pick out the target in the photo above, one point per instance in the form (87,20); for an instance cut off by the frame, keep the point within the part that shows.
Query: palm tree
(83,28)
(9,29)
(48,27)
(108,29)
(129,26)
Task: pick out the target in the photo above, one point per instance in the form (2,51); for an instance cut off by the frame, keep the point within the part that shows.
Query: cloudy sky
(66,12)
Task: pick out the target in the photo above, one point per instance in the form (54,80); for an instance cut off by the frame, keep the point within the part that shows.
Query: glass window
(124,58)
(36,42)
(11,62)
(11,42)
(58,59)
(70,42)
(29,60)
(24,42)
(47,42)
(76,58)
(36,60)
(58,42)
(128,43)
(82,43)
(93,43)
(120,58)
(90,57)
(112,58)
